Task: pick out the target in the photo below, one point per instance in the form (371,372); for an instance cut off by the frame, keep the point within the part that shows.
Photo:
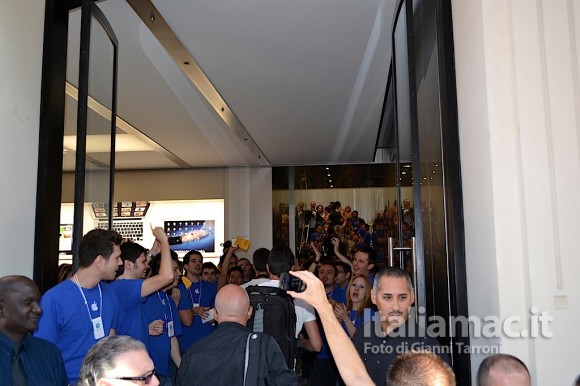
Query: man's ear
(268,268)
(373,297)
(250,310)
(99,260)
(216,316)
(371,266)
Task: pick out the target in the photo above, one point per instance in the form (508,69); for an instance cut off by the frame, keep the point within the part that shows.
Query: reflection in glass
(99,125)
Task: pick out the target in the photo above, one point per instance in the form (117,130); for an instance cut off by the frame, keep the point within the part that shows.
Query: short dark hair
(329,263)
(208,265)
(371,253)
(420,368)
(506,363)
(188,256)
(281,260)
(236,268)
(346,267)
(155,263)
(260,258)
(97,242)
(129,251)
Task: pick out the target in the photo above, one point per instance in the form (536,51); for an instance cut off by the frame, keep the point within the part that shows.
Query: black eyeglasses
(147,378)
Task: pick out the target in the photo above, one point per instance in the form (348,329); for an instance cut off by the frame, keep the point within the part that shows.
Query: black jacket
(219,359)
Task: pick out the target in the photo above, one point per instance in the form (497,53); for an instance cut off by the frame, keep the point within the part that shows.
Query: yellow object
(186,282)
(242,243)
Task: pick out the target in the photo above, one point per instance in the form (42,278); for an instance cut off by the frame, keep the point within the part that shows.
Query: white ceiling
(305,79)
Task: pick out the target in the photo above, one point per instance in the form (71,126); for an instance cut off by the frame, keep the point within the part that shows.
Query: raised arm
(350,366)
(316,260)
(336,242)
(165,275)
(226,267)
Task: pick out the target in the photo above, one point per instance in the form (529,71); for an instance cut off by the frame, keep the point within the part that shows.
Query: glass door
(95,137)
(77,128)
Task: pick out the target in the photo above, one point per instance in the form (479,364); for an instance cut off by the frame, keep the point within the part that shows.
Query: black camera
(175,240)
(291,283)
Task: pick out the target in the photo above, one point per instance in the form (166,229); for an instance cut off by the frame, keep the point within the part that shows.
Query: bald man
(232,354)
(25,359)
(420,368)
(503,370)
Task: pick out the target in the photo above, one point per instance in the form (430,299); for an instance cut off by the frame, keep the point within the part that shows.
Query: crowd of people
(131,314)
(317,225)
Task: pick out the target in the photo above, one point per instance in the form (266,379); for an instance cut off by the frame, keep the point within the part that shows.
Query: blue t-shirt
(203,294)
(338,295)
(41,359)
(366,316)
(131,319)
(159,305)
(66,320)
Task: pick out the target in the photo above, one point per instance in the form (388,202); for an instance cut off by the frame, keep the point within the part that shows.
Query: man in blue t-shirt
(132,288)
(162,305)
(83,309)
(324,371)
(196,303)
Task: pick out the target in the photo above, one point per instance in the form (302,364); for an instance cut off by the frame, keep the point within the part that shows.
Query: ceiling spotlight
(152,17)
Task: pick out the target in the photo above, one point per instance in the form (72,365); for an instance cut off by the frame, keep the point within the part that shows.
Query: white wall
(518,97)
(20,75)
(248,206)
(247,195)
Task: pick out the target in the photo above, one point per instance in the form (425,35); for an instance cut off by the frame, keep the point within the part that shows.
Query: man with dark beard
(379,342)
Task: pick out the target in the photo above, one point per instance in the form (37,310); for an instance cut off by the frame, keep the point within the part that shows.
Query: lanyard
(191,296)
(168,303)
(76,281)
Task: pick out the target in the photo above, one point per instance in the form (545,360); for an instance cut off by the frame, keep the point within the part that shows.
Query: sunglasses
(147,378)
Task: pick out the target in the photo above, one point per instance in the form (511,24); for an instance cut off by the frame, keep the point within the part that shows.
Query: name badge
(195,305)
(170,331)
(98,328)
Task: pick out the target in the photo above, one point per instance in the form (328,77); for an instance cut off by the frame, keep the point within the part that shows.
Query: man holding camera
(232,354)
(282,260)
